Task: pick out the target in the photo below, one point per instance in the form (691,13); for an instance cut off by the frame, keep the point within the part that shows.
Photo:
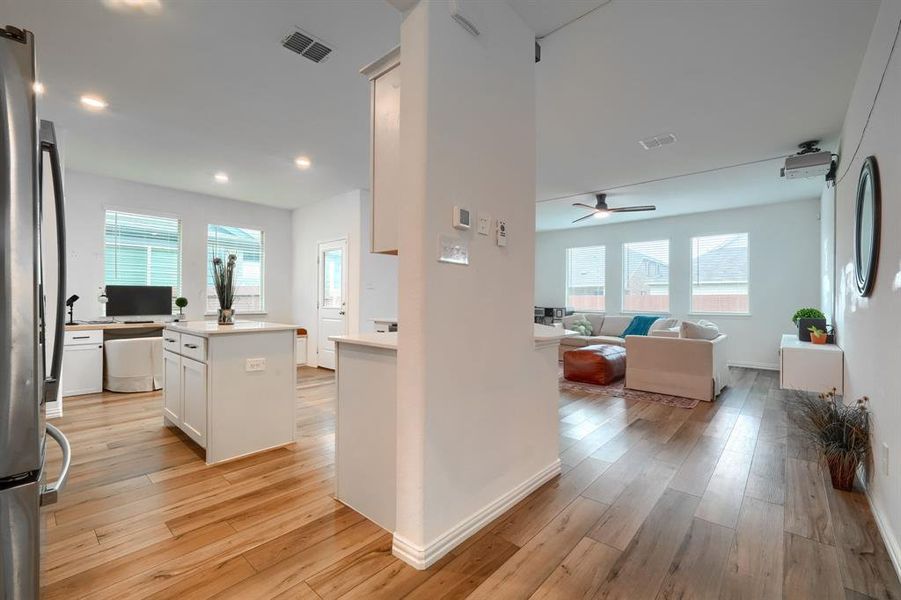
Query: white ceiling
(735,82)
(748,185)
(203,87)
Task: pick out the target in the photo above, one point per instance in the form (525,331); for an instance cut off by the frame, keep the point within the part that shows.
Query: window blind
(646,276)
(720,274)
(586,270)
(142,250)
(247,245)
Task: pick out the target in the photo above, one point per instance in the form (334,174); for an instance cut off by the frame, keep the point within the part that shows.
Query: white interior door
(332,298)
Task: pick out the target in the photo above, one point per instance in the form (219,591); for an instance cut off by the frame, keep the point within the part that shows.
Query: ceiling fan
(602,210)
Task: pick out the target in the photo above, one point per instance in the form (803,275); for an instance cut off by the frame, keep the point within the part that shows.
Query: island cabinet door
(172,387)
(194,399)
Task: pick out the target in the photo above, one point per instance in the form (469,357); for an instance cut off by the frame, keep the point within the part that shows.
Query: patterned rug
(617,390)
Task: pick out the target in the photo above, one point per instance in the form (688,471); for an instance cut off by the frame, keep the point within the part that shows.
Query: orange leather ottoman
(598,365)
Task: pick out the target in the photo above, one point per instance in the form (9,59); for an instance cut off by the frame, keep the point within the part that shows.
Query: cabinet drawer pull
(81,337)
(170,340)
(191,346)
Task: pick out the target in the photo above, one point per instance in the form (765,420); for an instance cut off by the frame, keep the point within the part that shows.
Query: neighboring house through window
(720,274)
(247,245)
(586,278)
(646,276)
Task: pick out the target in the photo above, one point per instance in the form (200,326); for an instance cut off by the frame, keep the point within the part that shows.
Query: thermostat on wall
(462,219)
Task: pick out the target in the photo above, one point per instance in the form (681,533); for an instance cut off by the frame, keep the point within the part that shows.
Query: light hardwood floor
(723,501)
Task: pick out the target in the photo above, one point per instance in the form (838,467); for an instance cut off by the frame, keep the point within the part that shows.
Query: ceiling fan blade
(633,209)
(583,218)
(585,206)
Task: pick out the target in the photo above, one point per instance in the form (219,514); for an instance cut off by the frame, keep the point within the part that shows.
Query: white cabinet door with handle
(194,399)
(172,387)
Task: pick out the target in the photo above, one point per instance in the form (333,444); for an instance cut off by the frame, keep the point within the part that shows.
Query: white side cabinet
(300,350)
(185,386)
(82,363)
(810,367)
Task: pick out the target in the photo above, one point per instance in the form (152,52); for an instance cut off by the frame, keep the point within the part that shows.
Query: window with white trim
(247,245)
(720,274)
(586,278)
(141,250)
(646,276)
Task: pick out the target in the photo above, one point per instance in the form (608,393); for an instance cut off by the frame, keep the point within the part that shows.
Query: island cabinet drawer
(77,338)
(172,341)
(193,346)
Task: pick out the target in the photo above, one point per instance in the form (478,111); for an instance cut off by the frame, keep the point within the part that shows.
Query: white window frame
(566,278)
(669,279)
(206,261)
(177,291)
(699,313)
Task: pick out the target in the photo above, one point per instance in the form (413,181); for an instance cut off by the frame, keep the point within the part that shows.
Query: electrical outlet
(885,462)
(255,364)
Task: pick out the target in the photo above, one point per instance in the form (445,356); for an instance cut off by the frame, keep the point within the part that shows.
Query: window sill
(721,314)
(647,312)
(238,314)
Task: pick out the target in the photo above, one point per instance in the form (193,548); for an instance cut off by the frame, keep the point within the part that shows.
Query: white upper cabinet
(384,76)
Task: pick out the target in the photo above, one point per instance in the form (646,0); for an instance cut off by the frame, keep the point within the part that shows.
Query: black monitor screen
(138,300)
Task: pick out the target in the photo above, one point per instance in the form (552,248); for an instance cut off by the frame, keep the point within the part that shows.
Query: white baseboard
(888,535)
(756,365)
(423,557)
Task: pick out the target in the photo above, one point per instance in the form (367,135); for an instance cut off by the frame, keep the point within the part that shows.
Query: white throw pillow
(697,331)
(664,323)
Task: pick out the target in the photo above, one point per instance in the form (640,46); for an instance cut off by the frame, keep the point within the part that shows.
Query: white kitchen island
(230,388)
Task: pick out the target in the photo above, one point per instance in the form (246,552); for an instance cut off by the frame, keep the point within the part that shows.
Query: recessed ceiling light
(94,102)
(38,88)
(147,6)
(221,177)
(303,163)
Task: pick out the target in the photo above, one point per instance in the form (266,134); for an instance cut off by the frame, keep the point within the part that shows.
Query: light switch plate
(255,364)
(501,233)
(484,224)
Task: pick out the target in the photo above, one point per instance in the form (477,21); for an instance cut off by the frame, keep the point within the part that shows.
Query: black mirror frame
(866,280)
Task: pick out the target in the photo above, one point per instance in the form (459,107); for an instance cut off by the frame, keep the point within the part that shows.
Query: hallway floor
(726,500)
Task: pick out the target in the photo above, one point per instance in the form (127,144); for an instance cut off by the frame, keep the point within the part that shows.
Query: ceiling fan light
(601,214)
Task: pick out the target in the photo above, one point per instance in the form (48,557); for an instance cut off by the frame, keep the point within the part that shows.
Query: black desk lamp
(71,304)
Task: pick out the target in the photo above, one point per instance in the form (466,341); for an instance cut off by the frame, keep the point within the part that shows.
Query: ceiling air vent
(657,141)
(306,45)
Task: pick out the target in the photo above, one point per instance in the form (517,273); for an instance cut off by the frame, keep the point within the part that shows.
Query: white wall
(88,196)
(472,424)
(378,275)
(785,268)
(868,328)
(827,252)
(326,221)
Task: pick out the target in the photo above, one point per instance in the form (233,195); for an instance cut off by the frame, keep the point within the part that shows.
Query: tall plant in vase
(224,280)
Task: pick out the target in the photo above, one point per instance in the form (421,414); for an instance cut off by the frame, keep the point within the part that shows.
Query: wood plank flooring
(726,500)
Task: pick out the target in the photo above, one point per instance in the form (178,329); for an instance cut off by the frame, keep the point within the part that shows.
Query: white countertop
(542,333)
(374,340)
(384,320)
(206,328)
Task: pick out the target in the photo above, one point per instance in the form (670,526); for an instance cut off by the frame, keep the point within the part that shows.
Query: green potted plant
(804,318)
(181,302)
(817,335)
(841,431)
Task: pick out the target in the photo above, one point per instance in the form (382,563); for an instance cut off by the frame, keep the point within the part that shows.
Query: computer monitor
(138,300)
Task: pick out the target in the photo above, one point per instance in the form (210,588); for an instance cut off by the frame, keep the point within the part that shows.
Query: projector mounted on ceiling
(809,162)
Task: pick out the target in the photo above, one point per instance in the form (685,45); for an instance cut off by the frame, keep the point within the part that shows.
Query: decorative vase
(226,316)
(841,479)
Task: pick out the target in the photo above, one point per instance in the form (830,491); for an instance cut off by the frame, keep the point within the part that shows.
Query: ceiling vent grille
(657,141)
(307,46)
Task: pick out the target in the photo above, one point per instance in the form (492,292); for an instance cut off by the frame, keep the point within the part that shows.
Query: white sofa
(605,329)
(677,366)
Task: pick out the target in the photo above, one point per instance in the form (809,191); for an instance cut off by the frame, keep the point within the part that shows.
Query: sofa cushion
(581,325)
(610,340)
(664,323)
(614,325)
(696,331)
(575,340)
(640,325)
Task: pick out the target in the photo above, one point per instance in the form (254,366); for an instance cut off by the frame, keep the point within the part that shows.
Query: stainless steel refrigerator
(28,378)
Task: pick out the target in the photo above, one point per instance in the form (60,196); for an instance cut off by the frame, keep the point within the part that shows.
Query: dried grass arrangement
(841,431)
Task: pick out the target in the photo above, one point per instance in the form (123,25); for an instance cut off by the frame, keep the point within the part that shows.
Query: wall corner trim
(423,557)
(888,535)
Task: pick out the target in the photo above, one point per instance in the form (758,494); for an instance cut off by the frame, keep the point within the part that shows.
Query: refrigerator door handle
(49,144)
(50,491)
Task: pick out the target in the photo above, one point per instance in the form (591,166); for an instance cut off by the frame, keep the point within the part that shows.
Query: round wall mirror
(866,231)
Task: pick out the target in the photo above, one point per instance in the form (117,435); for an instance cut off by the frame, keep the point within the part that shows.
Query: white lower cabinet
(194,399)
(185,394)
(82,363)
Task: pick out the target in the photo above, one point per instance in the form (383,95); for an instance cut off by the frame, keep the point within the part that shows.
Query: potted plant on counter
(804,318)
(841,431)
(817,335)
(224,280)
(181,302)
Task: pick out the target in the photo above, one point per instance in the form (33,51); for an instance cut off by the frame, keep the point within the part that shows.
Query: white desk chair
(133,365)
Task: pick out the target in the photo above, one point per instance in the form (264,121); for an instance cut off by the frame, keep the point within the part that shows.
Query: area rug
(617,390)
